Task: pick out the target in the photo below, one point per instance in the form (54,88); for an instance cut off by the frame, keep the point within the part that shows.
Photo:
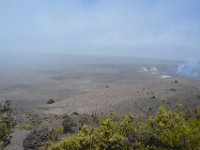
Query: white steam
(152,70)
(144,69)
(190,69)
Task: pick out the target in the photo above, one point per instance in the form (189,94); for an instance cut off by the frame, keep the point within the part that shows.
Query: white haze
(190,69)
(137,28)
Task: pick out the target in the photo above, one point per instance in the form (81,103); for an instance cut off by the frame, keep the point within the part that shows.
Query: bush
(6,124)
(50,101)
(167,129)
(27,126)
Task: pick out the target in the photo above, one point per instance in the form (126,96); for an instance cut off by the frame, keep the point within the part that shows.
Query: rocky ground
(80,91)
(33,129)
(33,124)
(130,98)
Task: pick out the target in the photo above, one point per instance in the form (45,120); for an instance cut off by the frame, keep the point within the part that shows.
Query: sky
(138,28)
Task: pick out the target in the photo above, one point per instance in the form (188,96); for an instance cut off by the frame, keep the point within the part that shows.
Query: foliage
(55,135)
(6,124)
(50,101)
(27,126)
(167,129)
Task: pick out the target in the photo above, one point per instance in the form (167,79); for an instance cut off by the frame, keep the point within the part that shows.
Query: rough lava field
(93,85)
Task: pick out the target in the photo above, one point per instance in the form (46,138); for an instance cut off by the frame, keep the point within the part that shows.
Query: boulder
(73,122)
(35,139)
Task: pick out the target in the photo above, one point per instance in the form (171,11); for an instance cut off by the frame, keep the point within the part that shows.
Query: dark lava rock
(70,125)
(172,89)
(176,81)
(35,139)
(50,101)
(73,122)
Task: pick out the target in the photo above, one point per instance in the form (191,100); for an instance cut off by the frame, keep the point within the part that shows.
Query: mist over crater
(190,69)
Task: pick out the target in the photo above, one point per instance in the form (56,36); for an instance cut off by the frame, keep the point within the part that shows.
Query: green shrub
(50,101)
(6,124)
(167,129)
(55,135)
(27,126)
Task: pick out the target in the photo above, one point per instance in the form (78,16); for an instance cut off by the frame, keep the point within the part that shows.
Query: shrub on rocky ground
(167,129)
(27,126)
(7,124)
(50,101)
(37,138)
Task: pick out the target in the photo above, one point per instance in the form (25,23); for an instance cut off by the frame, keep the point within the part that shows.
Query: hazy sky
(141,28)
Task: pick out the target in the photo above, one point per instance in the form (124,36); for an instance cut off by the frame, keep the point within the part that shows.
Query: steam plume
(190,69)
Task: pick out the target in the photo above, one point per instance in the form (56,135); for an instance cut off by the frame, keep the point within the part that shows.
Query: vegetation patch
(27,126)
(50,101)
(7,124)
(167,129)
